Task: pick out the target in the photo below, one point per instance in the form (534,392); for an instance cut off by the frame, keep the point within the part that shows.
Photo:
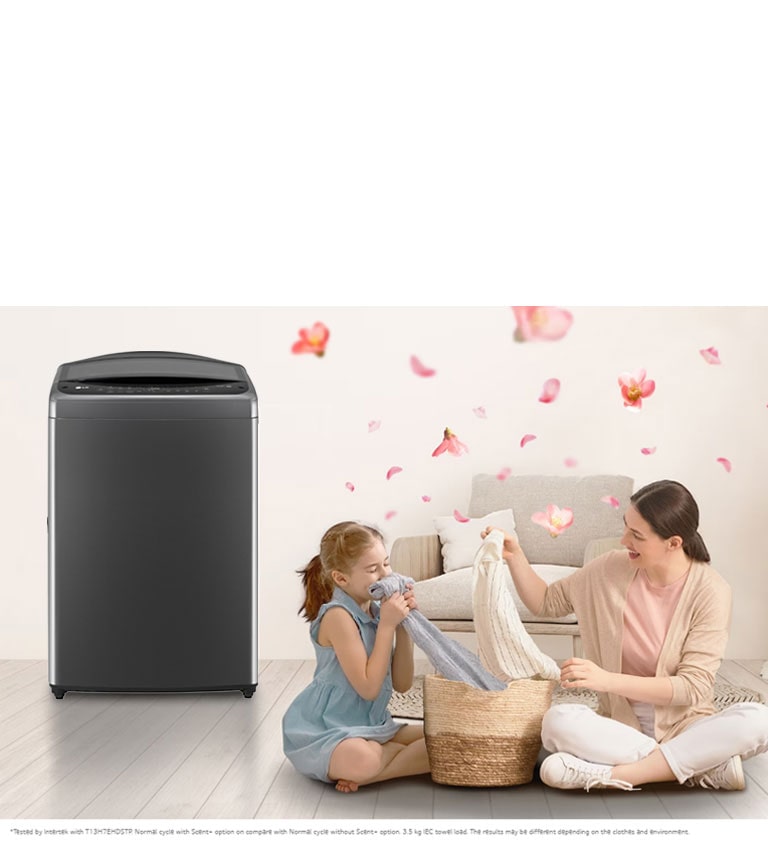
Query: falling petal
(541,323)
(479,412)
(711,356)
(458,517)
(611,500)
(312,340)
(451,444)
(374,424)
(529,437)
(350,486)
(571,462)
(647,451)
(420,369)
(390,514)
(550,391)
(393,471)
(725,463)
(504,473)
(426,498)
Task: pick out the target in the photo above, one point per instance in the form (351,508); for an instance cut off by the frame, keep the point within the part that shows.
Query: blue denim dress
(330,710)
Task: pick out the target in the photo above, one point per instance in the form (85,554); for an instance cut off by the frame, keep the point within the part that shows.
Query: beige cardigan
(692,650)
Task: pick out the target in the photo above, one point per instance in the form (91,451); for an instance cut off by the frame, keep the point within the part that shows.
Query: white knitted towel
(505,648)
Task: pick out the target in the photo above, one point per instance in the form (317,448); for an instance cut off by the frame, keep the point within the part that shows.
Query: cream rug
(410,706)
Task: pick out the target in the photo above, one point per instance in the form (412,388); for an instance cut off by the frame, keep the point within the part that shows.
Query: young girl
(654,620)
(339,729)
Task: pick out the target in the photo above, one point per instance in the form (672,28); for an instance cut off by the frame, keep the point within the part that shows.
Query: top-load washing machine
(152,525)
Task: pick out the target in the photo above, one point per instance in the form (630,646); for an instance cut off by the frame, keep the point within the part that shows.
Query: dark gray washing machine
(152,525)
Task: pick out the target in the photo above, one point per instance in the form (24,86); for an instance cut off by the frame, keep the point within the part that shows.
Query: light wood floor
(211,756)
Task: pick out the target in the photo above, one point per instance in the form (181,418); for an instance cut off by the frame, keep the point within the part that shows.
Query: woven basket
(484,738)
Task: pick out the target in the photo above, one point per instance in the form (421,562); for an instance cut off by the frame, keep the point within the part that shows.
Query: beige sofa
(441,562)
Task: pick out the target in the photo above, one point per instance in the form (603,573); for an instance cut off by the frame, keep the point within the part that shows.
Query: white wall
(314,436)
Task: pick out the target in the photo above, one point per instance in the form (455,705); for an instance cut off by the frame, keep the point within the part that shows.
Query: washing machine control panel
(169,386)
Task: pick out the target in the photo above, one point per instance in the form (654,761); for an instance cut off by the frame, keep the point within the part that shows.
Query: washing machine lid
(101,385)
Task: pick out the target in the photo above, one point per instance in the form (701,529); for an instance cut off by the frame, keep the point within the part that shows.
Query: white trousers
(739,729)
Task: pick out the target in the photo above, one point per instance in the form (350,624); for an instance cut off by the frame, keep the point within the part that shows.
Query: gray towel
(450,659)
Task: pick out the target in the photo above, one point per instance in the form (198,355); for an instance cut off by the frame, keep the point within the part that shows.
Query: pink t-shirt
(647,615)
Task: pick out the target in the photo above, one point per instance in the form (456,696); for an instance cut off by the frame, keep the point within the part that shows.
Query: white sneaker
(568,772)
(726,776)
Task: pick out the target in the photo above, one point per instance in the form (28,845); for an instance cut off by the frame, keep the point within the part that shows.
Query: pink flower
(350,486)
(711,356)
(312,340)
(420,369)
(504,473)
(611,500)
(458,517)
(725,463)
(554,519)
(634,387)
(426,498)
(374,424)
(479,412)
(541,323)
(529,437)
(450,444)
(647,451)
(393,471)
(550,391)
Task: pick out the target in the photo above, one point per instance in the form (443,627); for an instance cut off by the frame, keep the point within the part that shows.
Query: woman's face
(371,566)
(645,546)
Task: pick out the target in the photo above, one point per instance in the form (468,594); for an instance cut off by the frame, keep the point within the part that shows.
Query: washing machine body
(152,523)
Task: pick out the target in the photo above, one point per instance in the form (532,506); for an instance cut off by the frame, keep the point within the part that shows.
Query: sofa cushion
(449,596)
(460,540)
(598,503)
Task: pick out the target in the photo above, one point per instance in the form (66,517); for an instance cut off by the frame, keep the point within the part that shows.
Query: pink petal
(529,437)
(550,391)
(426,498)
(647,451)
(479,412)
(647,387)
(443,446)
(393,471)
(540,519)
(458,517)
(374,424)
(390,514)
(350,486)
(543,323)
(571,462)
(420,369)
(504,473)
(611,500)
(726,464)
(711,356)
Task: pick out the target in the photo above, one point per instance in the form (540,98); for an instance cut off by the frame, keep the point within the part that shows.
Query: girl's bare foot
(344,786)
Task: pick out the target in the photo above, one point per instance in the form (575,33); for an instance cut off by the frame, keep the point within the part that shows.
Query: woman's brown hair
(670,510)
(341,546)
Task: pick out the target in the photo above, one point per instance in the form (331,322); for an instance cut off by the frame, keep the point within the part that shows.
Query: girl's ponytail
(318,588)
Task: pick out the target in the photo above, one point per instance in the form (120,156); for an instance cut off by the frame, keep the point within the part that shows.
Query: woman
(654,621)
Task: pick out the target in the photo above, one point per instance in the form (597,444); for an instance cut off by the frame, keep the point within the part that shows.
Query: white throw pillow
(460,540)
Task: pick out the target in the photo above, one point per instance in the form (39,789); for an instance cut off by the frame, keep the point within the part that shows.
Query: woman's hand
(580,672)
(511,543)
(393,610)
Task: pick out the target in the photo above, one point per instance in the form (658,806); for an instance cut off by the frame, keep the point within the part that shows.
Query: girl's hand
(393,610)
(511,543)
(580,672)
(410,598)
